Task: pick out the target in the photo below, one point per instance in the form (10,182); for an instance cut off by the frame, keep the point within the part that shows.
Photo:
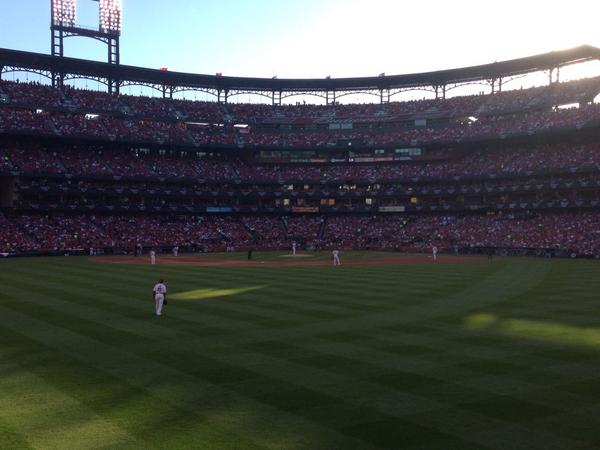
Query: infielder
(159,292)
(336,257)
(152,257)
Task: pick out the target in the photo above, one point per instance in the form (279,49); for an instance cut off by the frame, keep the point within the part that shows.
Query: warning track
(204,261)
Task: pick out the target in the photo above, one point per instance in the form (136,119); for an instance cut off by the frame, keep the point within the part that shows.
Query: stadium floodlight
(62,26)
(64,12)
(110,16)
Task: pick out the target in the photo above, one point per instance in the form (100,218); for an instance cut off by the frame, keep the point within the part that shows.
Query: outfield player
(159,293)
(176,250)
(293,248)
(336,257)
(434,251)
(152,257)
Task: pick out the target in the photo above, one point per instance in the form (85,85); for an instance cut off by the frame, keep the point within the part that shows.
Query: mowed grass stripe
(78,290)
(369,394)
(423,352)
(149,376)
(123,328)
(410,315)
(244,416)
(493,289)
(341,303)
(10,438)
(48,418)
(126,328)
(237,306)
(228,280)
(141,414)
(230,320)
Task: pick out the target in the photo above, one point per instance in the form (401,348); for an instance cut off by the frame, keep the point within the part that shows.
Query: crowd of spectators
(148,107)
(92,160)
(484,127)
(576,232)
(137,118)
(85,162)
(25,120)
(511,160)
(39,95)
(6,164)
(63,232)
(572,232)
(13,239)
(304,228)
(180,133)
(93,101)
(39,109)
(32,94)
(34,158)
(78,125)
(267,232)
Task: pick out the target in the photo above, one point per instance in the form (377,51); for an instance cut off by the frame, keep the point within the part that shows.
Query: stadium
(463,312)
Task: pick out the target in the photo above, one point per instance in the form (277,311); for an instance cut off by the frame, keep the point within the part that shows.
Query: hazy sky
(315,38)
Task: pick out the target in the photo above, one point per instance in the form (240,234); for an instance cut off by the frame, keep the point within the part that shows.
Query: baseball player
(293,248)
(434,251)
(176,250)
(336,257)
(152,257)
(159,293)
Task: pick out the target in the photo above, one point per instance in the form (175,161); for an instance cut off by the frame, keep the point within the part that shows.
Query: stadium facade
(506,170)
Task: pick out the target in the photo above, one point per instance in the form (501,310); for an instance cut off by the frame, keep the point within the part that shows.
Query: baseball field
(385,351)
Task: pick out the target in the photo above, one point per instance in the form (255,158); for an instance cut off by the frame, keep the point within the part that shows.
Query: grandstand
(396,175)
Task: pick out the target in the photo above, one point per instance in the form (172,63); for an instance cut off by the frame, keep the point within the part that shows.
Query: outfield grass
(501,355)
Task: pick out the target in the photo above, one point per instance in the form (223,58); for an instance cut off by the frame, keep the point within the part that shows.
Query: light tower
(62,25)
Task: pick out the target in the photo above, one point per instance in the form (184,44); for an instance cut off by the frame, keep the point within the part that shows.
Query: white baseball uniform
(434,251)
(293,248)
(336,258)
(175,250)
(159,297)
(152,257)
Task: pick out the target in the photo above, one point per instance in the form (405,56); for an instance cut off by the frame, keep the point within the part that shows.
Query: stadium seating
(556,233)
(72,112)
(81,169)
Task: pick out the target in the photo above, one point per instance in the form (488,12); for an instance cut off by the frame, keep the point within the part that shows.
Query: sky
(316,38)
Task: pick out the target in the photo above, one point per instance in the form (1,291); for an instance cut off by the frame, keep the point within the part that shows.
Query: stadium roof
(93,69)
